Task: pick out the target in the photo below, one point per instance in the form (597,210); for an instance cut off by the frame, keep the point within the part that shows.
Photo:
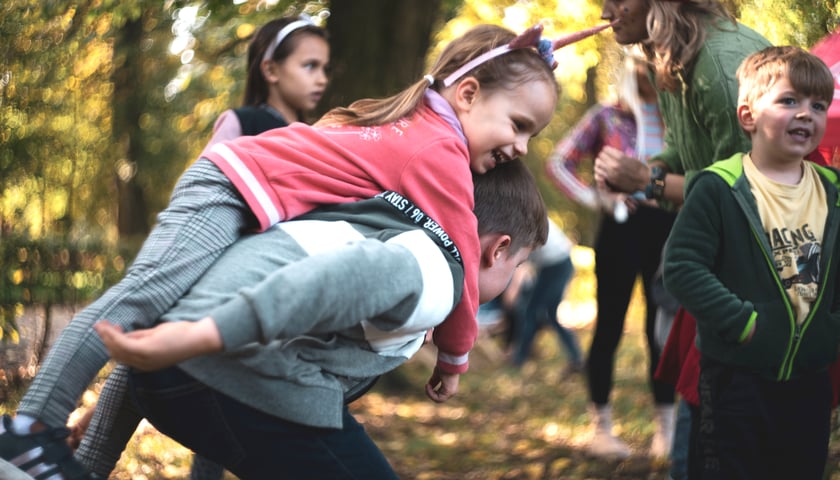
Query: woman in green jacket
(694,48)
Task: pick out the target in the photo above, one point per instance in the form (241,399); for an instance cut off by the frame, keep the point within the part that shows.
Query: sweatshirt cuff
(231,319)
(451,363)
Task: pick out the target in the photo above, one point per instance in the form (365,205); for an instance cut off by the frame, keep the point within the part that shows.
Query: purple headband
(531,38)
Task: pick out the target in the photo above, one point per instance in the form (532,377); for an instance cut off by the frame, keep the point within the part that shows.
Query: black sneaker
(40,456)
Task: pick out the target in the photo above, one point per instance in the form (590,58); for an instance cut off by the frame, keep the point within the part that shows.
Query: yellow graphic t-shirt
(793,217)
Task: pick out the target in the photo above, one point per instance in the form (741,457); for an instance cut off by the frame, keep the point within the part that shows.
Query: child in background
(486,96)
(537,302)
(286,76)
(290,325)
(752,256)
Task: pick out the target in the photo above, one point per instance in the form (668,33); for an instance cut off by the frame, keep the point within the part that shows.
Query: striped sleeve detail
(571,186)
(434,304)
(453,359)
(254,192)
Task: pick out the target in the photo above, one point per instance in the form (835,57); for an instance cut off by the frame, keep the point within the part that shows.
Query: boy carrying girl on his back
(290,325)
(752,256)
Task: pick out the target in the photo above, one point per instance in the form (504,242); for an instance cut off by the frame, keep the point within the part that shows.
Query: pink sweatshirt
(287,172)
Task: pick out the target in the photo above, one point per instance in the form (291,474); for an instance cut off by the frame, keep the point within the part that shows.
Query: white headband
(284,32)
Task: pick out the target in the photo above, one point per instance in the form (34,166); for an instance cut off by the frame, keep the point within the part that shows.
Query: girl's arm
(583,142)
(439,181)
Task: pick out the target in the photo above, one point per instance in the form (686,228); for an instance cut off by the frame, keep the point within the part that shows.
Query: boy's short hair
(805,71)
(508,201)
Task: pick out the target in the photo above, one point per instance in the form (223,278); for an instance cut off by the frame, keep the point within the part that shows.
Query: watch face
(656,187)
(657,172)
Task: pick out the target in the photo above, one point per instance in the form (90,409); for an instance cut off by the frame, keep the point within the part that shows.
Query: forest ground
(505,423)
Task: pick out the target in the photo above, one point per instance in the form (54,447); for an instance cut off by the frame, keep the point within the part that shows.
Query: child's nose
(520,148)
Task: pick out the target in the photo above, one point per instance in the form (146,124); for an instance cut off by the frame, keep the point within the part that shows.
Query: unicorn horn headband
(529,38)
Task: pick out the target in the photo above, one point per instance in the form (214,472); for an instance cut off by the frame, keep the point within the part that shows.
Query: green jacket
(700,119)
(719,266)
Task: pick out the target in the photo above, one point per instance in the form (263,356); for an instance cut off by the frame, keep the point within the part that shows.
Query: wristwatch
(656,188)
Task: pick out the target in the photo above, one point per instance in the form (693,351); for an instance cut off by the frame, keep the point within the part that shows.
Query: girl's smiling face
(499,123)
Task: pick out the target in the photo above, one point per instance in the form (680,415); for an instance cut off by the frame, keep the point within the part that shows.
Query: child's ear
(745,117)
(466,92)
(497,250)
(269,71)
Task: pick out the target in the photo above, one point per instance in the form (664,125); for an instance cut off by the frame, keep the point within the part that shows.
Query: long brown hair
(256,88)
(676,33)
(506,71)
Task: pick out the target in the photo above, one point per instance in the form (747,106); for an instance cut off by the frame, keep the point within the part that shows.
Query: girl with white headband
(287,74)
(468,115)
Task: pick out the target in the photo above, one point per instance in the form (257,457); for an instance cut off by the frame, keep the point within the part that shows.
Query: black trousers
(748,427)
(623,251)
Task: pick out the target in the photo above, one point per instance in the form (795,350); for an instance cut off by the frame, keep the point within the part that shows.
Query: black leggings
(622,252)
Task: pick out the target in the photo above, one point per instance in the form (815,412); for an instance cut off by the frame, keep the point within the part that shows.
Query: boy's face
(494,277)
(784,124)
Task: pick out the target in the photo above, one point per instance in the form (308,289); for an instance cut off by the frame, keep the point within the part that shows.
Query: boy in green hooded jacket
(751,256)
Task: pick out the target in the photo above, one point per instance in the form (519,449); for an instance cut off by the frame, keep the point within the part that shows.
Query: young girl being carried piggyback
(469,114)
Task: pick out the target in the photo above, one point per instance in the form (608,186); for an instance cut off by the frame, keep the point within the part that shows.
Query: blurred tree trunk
(378,47)
(128,104)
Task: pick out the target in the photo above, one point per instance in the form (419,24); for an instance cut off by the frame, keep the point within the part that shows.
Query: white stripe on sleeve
(434,304)
(250,181)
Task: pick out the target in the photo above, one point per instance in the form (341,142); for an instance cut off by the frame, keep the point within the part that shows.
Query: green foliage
(794,23)
(49,271)
(69,130)
(59,161)
(44,127)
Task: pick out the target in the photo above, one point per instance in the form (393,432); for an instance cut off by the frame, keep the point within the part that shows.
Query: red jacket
(286,172)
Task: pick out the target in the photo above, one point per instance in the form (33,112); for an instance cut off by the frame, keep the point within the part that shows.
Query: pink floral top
(602,125)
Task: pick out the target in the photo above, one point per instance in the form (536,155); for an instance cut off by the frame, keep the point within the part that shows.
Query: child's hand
(161,346)
(442,386)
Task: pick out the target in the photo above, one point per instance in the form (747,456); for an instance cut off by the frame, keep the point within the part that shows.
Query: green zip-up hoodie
(718,264)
